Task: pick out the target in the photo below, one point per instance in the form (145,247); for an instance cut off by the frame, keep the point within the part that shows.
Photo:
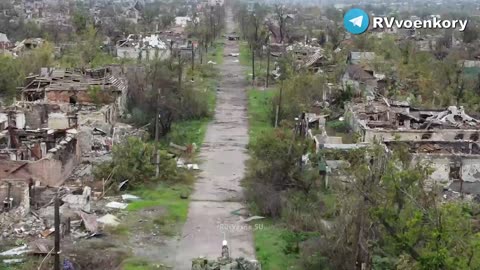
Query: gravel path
(217,191)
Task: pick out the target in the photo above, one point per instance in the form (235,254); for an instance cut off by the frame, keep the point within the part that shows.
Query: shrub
(133,160)
(273,170)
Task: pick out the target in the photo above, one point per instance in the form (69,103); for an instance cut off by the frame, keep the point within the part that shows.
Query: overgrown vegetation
(382,218)
(259,112)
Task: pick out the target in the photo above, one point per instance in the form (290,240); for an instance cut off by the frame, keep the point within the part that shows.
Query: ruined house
(133,12)
(138,47)
(27,45)
(315,62)
(4,42)
(40,136)
(42,154)
(446,140)
(75,87)
(360,75)
(356,58)
(363,80)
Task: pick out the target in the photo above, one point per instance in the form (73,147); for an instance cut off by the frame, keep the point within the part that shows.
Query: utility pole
(279,106)
(253,64)
(57,233)
(268,62)
(212,28)
(157,134)
(193,60)
(180,69)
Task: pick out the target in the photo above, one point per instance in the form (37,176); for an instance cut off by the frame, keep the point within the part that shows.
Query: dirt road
(217,191)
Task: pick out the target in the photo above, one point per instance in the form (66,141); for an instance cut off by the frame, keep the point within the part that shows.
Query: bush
(134,160)
(338,126)
(273,170)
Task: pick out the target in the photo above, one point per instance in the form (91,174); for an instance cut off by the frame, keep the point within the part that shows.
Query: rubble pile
(225,264)
(14,226)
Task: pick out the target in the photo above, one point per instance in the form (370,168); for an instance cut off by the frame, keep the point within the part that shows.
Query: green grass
(259,112)
(187,132)
(193,131)
(216,54)
(270,245)
(260,63)
(166,196)
(245,54)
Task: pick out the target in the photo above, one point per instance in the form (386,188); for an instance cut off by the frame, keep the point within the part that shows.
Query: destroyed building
(446,140)
(4,42)
(42,155)
(27,45)
(361,76)
(140,47)
(74,86)
(40,138)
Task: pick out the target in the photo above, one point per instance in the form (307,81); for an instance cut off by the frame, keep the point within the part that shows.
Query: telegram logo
(356,21)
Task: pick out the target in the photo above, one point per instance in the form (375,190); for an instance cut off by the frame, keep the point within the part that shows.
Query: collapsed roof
(393,115)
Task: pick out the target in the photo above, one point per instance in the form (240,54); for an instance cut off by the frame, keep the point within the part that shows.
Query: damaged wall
(65,96)
(19,191)
(36,115)
(370,135)
(449,168)
(81,96)
(43,115)
(471,169)
(51,170)
(58,121)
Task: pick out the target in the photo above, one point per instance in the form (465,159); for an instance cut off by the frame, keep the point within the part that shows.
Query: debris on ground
(225,262)
(89,221)
(13,261)
(109,220)
(191,166)
(130,198)
(117,205)
(16,251)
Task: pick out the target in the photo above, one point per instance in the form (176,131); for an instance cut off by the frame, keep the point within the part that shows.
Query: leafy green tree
(299,94)
(390,220)
(10,77)
(471,33)
(275,167)
(133,160)
(80,20)
(162,92)
(32,61)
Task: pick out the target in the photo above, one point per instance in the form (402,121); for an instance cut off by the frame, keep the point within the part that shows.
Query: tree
(172,99)
(132,160)
(470,34)
(10,77)
(80,20)
(32,61)
(256,35)
(281,16)
(167,20)
(389,220)
(275,168)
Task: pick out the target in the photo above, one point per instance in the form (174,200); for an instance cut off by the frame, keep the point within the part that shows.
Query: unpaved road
(217,191)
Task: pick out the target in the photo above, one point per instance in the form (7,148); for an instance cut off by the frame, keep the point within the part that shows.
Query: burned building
(45,156)
(445,140)
(138,47)
(74,86)
(40,136)
(384,120)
